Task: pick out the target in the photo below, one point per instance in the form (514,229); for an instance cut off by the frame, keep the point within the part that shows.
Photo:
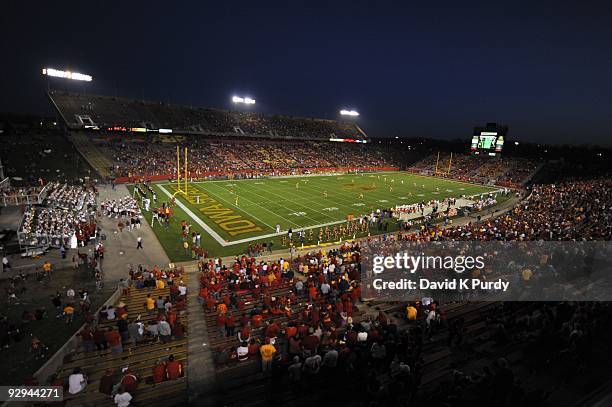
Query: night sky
(431,69)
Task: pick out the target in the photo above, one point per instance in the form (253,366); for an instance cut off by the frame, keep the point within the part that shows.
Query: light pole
(240,100)
(349,113)
(74,76)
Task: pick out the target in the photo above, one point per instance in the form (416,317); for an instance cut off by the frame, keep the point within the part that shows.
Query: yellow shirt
(267,352)
(526,273)
(221,308)
(150,303)
(69,310)
(160,284)
(411,312)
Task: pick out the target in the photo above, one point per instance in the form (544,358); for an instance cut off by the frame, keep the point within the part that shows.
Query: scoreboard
(488,140)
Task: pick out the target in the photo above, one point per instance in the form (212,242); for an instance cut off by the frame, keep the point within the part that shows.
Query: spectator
(174,368)
(107,382)
(87,336)
(76,381)
(122,398)
(69,313)
(164,330)
(267,355)
(113,338)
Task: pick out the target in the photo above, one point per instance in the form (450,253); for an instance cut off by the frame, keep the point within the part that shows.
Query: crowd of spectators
(506,171)
(308,316)
(120,328)
(133,159)
(325,337)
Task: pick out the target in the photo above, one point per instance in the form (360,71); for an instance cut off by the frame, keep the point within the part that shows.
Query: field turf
(231,214)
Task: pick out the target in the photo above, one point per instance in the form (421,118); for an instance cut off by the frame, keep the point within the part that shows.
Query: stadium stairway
(140,358)
(92,154)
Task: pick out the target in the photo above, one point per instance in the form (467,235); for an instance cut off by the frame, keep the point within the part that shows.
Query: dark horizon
(411,71)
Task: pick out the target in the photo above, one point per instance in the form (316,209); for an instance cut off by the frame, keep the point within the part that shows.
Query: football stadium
(181,228)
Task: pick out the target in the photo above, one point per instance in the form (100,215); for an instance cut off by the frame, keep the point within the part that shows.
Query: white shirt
(242,352)
(362,336)
(76,383)
(182,289)
(123,399)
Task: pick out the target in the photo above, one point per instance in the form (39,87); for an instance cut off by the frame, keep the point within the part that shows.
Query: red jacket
(129,382)
(113,338)
(174,369)
(159,373)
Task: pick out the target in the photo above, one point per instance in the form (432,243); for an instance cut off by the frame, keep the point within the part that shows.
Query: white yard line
(289,209)
(248,214)
(295,203)
(266,209)
(224,243)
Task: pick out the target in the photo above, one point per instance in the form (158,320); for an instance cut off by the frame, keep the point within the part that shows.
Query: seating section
(140,357)
(263,304)
(92,154)
(146,157)
(111,111)
(504,171)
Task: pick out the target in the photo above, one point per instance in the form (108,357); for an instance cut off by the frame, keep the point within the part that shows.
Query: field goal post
(181,188)
(439,170)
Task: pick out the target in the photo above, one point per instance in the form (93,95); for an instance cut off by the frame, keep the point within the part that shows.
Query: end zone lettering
(227,219)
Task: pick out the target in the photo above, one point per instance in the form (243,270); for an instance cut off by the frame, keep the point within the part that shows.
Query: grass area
(19,363)
(243,212)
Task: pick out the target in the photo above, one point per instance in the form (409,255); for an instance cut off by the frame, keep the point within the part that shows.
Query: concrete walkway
(201,374)
(120,247)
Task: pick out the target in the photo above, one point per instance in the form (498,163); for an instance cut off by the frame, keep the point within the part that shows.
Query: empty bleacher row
(91,153)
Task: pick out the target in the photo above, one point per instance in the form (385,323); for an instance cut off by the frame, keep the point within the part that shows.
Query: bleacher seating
(504,171)
(112,111)
(140,358)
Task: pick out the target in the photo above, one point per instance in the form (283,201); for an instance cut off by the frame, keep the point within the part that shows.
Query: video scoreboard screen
(487,142)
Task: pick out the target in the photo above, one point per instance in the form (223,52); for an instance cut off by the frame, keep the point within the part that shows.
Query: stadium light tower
(350,113)
(243,100)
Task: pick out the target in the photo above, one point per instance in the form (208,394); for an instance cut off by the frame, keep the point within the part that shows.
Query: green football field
(232,214)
